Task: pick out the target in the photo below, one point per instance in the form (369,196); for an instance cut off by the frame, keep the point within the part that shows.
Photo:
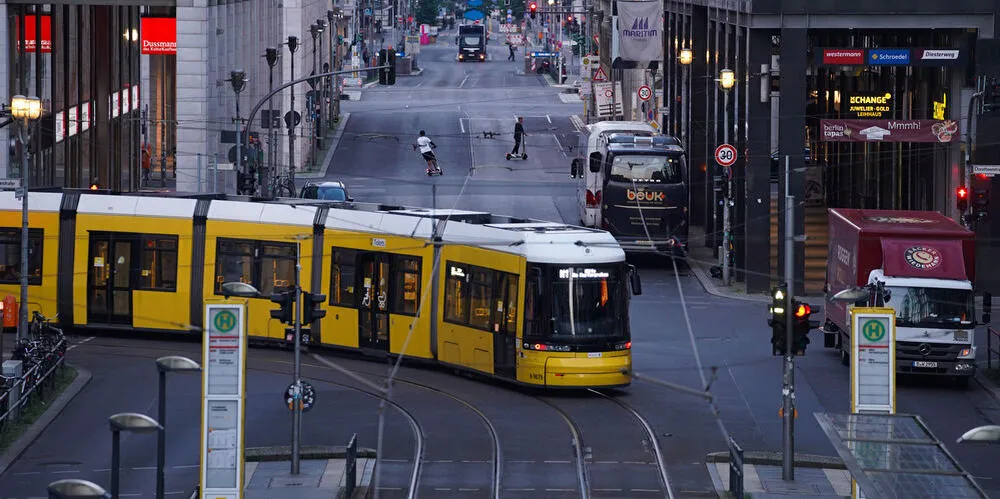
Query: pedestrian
(147,159)
(518,135)
(510,45)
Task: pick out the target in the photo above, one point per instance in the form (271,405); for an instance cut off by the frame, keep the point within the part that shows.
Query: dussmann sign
(159,36)
(869,105)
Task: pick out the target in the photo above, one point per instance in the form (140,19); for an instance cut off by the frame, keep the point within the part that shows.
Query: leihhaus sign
(869,105)
(159,35)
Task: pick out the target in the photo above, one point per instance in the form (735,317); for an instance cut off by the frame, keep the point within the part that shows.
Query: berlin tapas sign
(725,155)
(645,93)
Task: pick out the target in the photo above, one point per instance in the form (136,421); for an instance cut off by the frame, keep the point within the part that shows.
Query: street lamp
(238,80)
(131,422)
(988,434)
(271,56)
(321,88)
(334,83)
(727,79)
(293,46)
(24,110)
(173,363)
(239,290)
(686,57)
(314,31)
(75,488)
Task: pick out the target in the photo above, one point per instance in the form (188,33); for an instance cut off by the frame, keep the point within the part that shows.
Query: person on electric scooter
(427,147)
(518,135)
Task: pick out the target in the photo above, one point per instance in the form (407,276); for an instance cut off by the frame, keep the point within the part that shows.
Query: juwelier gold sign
(870,105)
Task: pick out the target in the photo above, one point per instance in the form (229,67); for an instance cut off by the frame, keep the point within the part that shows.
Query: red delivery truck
(923,265)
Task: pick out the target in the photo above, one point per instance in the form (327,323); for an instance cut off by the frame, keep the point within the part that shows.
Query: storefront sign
(940,107)
(889,57)
(159,35)
(869,105)
(842,57)
(888,130)
(31,37)
(937,57)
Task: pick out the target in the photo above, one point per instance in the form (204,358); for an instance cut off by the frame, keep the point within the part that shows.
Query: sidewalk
(701,259)
(332,141)
(322,473)
(817,477)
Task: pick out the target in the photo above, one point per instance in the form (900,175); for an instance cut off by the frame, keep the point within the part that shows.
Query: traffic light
(801,327)
(980,201)
(779,337)
(310,307)
(391,77)
(533,9)
(286,313)
(383,74)
(962,199)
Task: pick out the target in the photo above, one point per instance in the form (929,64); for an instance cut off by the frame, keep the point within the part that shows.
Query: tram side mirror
(595,162)
(575,168)
(987,307)
(635,282)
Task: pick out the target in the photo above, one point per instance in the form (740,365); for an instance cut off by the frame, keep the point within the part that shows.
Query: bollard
(735,469)
(351,467)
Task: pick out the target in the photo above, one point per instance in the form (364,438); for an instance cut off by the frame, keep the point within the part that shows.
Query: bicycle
(284,186)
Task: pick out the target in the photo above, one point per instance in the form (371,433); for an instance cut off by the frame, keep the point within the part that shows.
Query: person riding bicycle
(426,146)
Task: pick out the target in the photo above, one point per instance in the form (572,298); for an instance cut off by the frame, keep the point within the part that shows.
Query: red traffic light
(569,19)
(962,193)
(803,310)
(533,6)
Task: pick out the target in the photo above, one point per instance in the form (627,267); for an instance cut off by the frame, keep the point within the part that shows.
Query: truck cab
(472,43)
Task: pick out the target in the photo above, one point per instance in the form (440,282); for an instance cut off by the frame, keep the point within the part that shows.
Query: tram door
(505,335)
(373,304)
(109,282)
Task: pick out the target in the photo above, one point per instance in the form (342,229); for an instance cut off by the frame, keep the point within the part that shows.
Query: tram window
(532,311)
(342,277)
(510,309)
(159,263)
(456,294)
(277,268)
(406,285)
(268,266)
(481,291)
(10,255)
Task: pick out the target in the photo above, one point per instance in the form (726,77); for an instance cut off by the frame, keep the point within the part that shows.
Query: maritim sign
(159,35)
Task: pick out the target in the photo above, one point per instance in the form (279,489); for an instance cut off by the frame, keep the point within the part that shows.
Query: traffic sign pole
(725,156)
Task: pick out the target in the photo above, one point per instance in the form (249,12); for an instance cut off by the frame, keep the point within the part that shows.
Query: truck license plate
(918,363)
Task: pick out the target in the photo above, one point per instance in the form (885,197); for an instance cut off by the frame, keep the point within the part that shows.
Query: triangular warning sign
(599,75)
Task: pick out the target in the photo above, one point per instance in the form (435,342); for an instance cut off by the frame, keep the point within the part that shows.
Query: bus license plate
(594,355)
(918,363)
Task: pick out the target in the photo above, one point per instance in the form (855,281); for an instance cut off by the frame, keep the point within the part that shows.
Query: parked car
(327,191)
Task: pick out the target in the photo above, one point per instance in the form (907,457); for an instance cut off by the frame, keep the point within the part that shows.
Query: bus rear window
(647,169)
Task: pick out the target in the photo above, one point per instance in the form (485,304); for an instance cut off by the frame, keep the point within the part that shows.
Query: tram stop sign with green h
(224,321)
(873,330)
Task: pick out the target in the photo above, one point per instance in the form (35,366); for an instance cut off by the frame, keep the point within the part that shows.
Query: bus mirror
(987,307)
(634,280)
(595,162)
(574,168)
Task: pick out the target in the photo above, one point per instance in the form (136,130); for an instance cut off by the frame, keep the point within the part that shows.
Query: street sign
(223,389)
(645,93)
(873,360)
(307,397)
(604,97)
(599,75)
(988,170)
(725,155)
(10,183)
(509,28)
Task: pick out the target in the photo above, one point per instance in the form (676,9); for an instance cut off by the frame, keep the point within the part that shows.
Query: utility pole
(293,45)
(788,390)
(970,149)
(297,390)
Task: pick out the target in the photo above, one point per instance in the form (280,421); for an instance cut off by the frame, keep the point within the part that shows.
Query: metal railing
(992,347)
(41,357)
(735,469)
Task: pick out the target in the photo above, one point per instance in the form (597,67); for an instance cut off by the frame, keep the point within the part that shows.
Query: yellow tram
(532,302)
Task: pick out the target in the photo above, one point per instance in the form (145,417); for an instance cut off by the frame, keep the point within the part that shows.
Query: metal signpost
(223,388)
(873,374)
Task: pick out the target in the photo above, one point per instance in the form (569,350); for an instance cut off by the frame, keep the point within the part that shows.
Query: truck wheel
(845,358)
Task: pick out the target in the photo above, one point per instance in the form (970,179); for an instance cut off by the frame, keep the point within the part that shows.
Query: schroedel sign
(640,33)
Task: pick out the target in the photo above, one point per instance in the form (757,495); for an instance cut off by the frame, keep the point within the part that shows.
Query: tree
(427,11)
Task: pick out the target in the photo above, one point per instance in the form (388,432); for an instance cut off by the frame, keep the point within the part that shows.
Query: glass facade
(83,61)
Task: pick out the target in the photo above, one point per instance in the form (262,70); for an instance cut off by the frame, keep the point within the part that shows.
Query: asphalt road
(471,431)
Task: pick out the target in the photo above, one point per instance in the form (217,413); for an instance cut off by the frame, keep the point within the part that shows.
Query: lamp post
(293,46)
(727,79)
(24,110)
(986,434)
(320,88)
(164,365)
(238,80)
(75,488)
(333,83)
(314,31)
(685,57)
(131,422)
(271,56)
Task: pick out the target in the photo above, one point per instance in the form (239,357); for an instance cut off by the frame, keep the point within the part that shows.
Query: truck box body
(472,43)
(927,261)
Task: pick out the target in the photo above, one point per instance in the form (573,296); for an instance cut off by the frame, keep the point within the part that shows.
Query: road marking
(655,491)
(473,461)
(522,462)
(102,470)
(548,118)
(384,460)
(81,342)
(132,494)
(460,85)
(461,123)
(25,473)
(529,489)
(175,493)
(144,468)
(443,461)
(559,146)
(607,490)
(556,462)
(606,462)
(443,489)
(635,462)
(559,490)
(65,471)
(182,466)
(467,490)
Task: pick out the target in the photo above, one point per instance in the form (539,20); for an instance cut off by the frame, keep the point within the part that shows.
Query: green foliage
(427,11)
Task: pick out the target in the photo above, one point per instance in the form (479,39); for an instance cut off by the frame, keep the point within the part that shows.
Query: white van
(590,178)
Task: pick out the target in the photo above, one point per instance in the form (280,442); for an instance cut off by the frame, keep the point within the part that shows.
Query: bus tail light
(542,347)
(593,199)
(625,345)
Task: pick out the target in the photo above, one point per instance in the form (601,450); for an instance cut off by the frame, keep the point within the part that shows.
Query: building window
(10,255)
(456,294)
(159,263)
(268,266)
(406,285)
(342,276)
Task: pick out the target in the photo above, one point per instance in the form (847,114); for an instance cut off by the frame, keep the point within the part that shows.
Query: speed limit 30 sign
(645,93)
(725,155)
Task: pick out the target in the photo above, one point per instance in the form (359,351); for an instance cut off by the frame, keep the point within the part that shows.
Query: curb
(768,458)
(83,377)
(985,383)
(307,452)
(328,158)
(712,289)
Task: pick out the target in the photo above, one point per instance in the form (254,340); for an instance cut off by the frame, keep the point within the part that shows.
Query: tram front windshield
(588,303)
